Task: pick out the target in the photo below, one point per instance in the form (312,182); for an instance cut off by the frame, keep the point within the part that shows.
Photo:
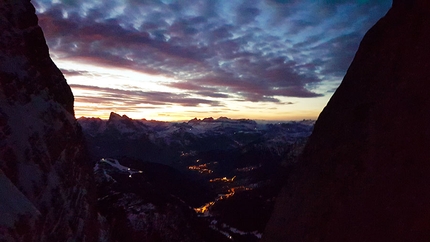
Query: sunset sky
(176,60)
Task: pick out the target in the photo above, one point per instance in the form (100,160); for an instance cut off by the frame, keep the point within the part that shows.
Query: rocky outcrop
(364,174)
(45,182)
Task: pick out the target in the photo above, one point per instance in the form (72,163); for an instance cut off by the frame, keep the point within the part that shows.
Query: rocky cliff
(45,185)
(364,174)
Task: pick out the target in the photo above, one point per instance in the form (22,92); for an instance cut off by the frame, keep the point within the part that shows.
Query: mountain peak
(115,116)
(223,119)
(210,119)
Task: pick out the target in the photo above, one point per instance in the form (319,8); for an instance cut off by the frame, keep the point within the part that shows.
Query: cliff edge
(45,183)
(364,174)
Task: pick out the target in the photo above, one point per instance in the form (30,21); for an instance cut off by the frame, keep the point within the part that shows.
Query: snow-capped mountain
(156,140)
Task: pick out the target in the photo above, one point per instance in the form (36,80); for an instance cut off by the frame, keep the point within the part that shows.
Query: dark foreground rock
(45,183)
(364,174)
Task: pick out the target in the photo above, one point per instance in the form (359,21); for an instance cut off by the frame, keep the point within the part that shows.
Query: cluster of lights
(201,168)
(224,179)
(205,208)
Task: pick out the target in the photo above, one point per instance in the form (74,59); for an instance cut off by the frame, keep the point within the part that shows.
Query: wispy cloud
(254,51)
(133,97)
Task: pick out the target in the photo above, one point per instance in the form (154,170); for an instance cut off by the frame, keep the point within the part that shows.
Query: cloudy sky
(180,59)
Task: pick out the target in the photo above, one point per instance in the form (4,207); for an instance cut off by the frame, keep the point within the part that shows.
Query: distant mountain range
(158,141)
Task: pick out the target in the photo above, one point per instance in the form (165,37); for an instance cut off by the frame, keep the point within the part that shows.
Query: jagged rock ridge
(364,173)
(44,178)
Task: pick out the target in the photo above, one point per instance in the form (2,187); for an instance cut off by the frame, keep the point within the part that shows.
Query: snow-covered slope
(14,204)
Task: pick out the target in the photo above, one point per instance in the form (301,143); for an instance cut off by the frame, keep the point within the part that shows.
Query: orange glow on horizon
(104,114)
(123,92)
(93,111)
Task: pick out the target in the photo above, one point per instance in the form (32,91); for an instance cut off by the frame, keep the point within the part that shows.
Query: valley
(208,180)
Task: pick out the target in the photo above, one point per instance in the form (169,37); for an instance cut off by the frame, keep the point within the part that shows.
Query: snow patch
(237,231)
(115,163)
(13,203)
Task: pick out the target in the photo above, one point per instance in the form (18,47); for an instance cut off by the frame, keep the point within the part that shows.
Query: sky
(180,59)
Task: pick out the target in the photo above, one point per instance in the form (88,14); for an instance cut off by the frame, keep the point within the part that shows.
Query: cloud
(108,96)
(216,50)
(342,50)
(67,72)
(246,14)
(213,94)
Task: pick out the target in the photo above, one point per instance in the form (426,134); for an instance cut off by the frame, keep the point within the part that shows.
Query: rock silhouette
(364,174)
(45,183)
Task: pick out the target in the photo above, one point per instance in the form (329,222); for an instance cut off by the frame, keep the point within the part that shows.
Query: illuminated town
(224,179)
(201,168)
(205,208)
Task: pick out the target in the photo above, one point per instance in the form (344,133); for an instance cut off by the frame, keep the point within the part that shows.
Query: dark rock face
(45,182)
(364,174)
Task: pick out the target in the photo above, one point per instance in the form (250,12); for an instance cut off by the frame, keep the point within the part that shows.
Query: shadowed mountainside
(364,174)
(45,184)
